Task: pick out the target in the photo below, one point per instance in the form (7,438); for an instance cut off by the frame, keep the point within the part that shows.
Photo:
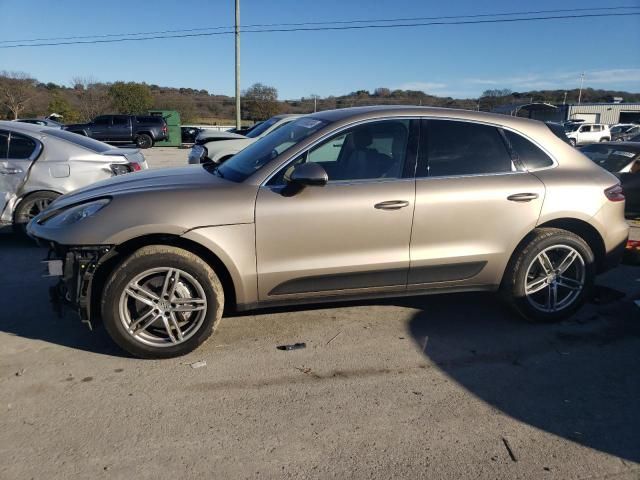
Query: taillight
(135,167)
(614,193)
(164,129)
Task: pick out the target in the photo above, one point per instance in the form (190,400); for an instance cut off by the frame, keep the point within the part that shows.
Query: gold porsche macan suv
(343,204)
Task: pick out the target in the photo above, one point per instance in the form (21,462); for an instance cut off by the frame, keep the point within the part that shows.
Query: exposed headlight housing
(76,213)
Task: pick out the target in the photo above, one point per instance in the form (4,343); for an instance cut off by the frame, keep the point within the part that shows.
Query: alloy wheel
(555,278)
(163,307)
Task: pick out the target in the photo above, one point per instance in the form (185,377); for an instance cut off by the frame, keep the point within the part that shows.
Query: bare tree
(17,89)
(261,102)
(92,97)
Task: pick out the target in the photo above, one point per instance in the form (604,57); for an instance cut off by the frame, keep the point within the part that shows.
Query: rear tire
(162,302)
(29,207)
(550,276)
(144,141)
(604,139)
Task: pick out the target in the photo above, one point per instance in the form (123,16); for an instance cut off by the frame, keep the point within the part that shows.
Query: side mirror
(307,175)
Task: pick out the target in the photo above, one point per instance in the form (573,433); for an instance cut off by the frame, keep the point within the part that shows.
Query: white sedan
(217,147)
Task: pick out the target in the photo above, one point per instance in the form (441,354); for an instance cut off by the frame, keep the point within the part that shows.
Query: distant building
(608,113)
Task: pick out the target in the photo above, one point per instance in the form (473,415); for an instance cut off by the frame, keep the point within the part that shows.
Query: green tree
(261,102)
(131,97)
(61,106)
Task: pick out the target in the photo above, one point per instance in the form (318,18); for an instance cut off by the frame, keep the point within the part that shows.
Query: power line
(302,24)
(315,29)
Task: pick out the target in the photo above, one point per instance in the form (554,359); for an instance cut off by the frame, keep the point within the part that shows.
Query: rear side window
(80,140)
(21,147)
(464,148)
(4,145)
(120,120)
(529,155)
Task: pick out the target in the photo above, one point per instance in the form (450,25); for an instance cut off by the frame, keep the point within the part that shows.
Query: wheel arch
(127,248)
(28,194)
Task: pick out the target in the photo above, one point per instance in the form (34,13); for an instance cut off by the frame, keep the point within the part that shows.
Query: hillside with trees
(22,96)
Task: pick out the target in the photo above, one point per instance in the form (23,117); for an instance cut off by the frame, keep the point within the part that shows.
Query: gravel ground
(451,386)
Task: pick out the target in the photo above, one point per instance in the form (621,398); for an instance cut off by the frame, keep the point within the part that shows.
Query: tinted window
(80,140)
(102,121)
(4,145)
(21,146)
(120,120)
(464,148)
(585,128)
(371,151)
(529,155)
(611,157)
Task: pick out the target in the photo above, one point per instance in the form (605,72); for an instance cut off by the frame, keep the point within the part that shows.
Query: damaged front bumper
(76,268)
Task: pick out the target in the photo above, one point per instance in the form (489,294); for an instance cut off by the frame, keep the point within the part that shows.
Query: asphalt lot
(451,386)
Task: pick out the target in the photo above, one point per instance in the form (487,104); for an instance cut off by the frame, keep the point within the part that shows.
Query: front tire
(550,277)
(162,302)
(144,141)
(572,142)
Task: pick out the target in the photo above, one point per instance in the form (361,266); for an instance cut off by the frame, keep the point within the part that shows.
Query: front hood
(165,202)
(205,135)
(191,176)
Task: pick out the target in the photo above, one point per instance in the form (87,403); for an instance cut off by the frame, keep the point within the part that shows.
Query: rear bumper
(614,256)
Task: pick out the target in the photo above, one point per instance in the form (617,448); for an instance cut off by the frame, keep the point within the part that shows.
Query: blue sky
(460,61)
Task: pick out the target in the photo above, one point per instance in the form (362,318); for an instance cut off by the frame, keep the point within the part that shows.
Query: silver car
(38,164)
(342,204)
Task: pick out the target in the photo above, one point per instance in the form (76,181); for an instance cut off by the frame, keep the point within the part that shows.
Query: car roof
(23,126)
(372,112)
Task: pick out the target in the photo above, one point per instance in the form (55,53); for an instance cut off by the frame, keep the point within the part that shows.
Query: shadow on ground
(578,379)
(25,310)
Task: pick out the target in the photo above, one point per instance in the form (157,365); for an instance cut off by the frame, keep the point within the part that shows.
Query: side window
(530,155)
(21,147)
(464,148)
(372,151)
(4,145)
(102,121)
(597,128)
(120,121)
(585,128)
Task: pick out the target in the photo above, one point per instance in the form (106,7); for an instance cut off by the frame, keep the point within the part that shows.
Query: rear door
(473,205)
(17,153)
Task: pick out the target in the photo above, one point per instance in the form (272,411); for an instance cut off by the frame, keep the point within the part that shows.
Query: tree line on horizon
(22,96)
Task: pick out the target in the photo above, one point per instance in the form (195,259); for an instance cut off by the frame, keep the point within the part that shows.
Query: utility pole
(564,100)
(315,103)
(581,83)
(237,35)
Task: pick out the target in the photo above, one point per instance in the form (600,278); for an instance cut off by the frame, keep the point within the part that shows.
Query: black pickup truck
(144,131)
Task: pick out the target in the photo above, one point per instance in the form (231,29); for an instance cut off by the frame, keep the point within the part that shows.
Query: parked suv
(342,204)
(144,131)
(583,133)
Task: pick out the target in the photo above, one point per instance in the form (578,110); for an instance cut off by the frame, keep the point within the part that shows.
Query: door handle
(10,171)
(391,205)
(522,197)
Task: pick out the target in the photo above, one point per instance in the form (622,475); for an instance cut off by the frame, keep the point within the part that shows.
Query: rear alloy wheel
(144,141)
(551,276)
(31,206)
(162,302)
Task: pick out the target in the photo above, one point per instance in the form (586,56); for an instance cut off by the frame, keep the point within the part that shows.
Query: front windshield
(260,129)
(612,158)
(571,127)
(258,154)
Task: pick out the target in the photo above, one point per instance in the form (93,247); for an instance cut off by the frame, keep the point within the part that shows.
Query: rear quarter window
(530,155)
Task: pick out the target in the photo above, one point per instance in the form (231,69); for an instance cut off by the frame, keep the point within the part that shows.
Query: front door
(17,153)
(100,128)
(474,204)
(350,236)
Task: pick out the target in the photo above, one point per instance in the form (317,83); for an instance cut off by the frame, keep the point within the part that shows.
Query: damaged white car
(38,164)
